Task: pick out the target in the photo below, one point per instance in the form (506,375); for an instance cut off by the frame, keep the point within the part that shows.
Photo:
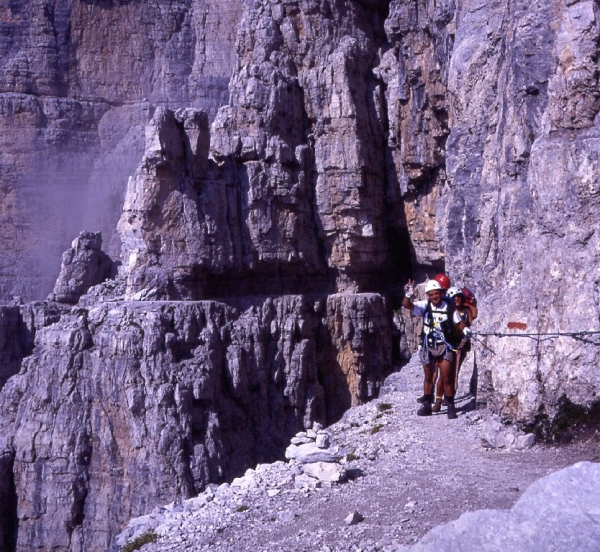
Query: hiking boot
(425,409)
(423,399)
(437,406)
(452,411)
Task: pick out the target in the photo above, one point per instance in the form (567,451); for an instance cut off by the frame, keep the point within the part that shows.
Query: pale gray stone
(525,441)
(305,481)
(558,512)
(323,440)
(490,432)
(300,440)
(325,471)
(354,518)
(309,453)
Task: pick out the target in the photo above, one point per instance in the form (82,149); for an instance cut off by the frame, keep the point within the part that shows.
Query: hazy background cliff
(79,80)
(291,164)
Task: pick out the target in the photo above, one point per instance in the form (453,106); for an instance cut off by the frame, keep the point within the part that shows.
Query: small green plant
(138,542)
(242,508)
(351,456)
(382,407)
(375,429)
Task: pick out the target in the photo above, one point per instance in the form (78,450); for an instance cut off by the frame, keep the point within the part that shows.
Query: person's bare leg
(447,375)
(439,391)
(428,372)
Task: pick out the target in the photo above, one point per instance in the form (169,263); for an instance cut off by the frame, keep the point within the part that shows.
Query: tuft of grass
(351,456)
(138,542)
(382,407)
(242,508)
(375,429)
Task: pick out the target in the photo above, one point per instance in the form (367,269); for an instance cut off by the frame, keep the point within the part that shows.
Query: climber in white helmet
(441,323)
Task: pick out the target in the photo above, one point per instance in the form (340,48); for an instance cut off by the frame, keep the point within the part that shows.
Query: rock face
(83,266)
(363,142)
(79,81)
(280,179)
(127,405)
(520,213)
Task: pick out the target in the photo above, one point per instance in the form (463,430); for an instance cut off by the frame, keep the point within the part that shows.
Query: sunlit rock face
(127,405)
(266,232)
(78,83)
(329,129)
(520,213)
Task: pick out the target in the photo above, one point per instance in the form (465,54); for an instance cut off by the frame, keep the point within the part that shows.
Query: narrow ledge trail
(412,474)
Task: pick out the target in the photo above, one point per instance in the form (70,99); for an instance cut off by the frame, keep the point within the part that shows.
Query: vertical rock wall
(125,406)
(79,81)
(326,163)
(520,212)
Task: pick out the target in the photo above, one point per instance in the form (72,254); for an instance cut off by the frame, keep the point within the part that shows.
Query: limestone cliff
(127,405)
(362,142)
(520,214)
(79,80)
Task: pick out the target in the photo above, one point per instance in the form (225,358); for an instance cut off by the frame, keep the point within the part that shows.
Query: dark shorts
(428,358)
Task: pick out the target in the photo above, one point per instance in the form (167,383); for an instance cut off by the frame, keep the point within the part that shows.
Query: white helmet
(432,285)
(454,291)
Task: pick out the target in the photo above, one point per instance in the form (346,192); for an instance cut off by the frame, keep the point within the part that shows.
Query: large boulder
(558,512)
(83,266)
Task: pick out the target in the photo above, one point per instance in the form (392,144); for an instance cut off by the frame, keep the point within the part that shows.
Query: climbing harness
(436,338)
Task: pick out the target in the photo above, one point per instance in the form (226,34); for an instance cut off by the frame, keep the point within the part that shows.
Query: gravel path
(410,475)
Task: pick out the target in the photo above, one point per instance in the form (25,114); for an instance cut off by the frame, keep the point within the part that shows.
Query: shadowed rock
(137,403)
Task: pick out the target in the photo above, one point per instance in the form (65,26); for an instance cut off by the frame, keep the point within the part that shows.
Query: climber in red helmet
(443,280)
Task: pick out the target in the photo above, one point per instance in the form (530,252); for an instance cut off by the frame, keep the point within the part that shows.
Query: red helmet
(443,280)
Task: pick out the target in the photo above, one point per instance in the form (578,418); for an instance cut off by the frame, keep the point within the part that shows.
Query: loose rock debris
(398,482)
